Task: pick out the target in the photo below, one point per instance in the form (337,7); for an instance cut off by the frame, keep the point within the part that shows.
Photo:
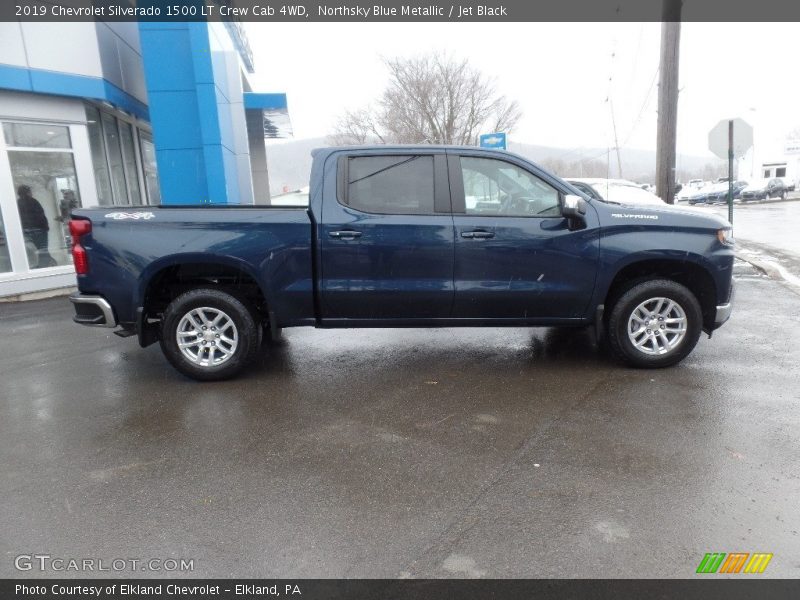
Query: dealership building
(115,114)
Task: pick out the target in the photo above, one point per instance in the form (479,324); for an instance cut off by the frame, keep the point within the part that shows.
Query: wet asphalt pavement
(405,453)
(773,223)
(768,230)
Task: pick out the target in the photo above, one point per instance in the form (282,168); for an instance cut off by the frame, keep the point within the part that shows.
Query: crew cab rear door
(386,238)
(516,257)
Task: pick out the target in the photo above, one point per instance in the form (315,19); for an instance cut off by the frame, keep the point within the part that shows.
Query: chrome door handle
(344,235)
(479,235)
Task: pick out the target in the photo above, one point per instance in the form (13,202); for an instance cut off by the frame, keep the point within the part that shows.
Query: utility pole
(668,99)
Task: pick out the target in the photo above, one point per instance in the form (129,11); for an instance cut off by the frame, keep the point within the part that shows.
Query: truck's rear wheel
(655,324)
(208,334)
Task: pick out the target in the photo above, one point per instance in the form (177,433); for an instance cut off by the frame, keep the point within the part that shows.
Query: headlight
(725,236)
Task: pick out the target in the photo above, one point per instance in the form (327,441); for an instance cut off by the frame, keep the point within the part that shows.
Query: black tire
(621,345)
(246,328)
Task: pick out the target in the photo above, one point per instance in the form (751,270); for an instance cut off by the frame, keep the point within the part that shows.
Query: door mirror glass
(574,206)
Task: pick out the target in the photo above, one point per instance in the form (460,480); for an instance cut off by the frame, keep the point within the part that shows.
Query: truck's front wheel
(655,324)
(208,334)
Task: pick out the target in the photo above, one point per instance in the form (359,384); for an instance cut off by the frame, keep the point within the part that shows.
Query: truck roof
(325,151)
(405,147)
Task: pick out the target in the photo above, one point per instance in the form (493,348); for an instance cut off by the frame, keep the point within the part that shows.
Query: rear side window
(395,185)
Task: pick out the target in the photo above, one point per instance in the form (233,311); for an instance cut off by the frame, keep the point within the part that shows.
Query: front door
(386,239)
(516,257)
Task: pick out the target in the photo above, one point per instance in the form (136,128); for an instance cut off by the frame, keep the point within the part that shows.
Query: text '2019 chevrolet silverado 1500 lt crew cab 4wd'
(398,236)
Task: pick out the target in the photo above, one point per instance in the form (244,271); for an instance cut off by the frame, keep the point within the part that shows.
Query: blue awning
(265,101)
(275,111)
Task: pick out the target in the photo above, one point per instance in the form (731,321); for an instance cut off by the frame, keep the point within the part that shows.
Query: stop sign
(742,138)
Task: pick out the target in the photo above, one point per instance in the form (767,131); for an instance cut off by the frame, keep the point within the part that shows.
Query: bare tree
(557,166)
(430,99)
(356,127)
(593,168)
(578,168)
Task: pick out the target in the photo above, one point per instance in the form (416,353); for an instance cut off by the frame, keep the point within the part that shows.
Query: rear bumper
(94,311)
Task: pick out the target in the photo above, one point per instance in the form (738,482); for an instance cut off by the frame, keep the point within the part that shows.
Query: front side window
(501,189)
(399,185)
(43,172)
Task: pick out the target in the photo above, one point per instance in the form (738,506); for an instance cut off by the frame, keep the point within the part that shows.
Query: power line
(642,109)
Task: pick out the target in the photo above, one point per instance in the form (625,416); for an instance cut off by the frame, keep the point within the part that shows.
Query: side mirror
(574,207)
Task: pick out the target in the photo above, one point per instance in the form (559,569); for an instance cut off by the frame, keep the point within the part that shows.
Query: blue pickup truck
(404,236)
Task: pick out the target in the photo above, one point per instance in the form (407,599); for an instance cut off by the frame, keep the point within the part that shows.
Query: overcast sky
(561,74)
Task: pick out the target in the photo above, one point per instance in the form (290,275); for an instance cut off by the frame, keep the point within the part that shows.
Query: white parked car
(619,191)
(691,189)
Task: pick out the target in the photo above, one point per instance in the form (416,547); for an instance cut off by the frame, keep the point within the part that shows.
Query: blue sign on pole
(493,140)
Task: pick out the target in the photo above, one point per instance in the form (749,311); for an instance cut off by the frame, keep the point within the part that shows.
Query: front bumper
(724,310)
(94,311)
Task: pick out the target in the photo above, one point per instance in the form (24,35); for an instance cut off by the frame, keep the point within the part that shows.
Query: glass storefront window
(150,168)
(45,182)
(129,158)
(104,195)
(47,190)
(115,158)
(29,135)
(5,258)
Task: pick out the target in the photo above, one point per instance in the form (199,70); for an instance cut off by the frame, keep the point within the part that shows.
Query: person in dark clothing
(34,224)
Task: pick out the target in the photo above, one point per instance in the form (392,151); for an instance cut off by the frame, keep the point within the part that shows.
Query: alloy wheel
(657,326)
(207,336)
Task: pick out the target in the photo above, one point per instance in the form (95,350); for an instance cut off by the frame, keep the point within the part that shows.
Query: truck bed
(128,246)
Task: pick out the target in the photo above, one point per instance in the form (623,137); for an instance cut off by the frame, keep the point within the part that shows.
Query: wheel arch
(692,275)
(170,276)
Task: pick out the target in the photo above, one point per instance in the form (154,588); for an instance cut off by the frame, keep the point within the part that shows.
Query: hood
(666,215)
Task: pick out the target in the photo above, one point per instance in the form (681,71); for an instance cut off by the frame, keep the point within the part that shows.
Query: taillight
(77,229)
